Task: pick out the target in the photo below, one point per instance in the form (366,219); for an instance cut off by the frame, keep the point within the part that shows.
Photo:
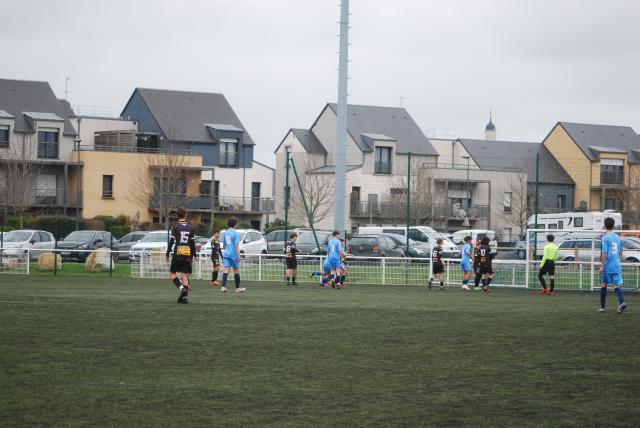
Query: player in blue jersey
(334,260)
(230,256)
(465,263)
(611,268)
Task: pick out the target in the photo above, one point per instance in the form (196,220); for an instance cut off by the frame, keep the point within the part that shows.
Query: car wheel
(631,260)
(569,259)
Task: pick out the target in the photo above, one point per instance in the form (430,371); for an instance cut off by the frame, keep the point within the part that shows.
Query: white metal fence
(574,274)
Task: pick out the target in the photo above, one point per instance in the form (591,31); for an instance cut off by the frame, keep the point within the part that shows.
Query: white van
(417,233)
(476,237)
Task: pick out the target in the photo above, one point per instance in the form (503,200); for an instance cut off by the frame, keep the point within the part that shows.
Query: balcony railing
(42,198)
(222,204)
(137,149)
(611,177)
(453,211)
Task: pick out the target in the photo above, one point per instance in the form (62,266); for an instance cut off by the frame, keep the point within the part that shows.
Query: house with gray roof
(36,128)
(205,124)
(555,186)
(604,163)
(379,140)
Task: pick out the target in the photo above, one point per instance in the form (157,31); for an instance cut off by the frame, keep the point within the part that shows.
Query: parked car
(79,244)
(306,243)
(126,242)
(585,249)
(20,242)
(157,240)
(251,242)
(416,248)
(374,246)
(200,241)
(417,233)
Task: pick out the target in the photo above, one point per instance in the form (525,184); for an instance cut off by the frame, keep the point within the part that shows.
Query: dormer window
(4,136)
(383,160)
(611,171)
(48,143)
(229,152)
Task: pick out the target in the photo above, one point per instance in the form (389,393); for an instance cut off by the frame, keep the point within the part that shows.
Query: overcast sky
(533,62)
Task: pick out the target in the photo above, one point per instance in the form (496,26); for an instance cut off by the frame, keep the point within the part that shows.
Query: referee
(548,266)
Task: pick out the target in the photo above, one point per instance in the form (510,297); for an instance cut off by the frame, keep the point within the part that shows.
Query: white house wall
(325,130)
(90,125)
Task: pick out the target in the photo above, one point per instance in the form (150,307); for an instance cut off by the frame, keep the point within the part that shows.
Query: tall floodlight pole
(341,129)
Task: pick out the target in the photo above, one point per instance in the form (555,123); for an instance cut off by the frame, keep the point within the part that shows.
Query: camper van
(417,233)
(577,220)
(578,225)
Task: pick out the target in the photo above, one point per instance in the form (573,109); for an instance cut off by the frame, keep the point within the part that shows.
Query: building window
(169,186)
(4,136)
(613,204)
(507,202)
(562,202)
(578,222)
(205,188)
(48,143)
(107,186)
(229,152)
(611,171)
(383,160)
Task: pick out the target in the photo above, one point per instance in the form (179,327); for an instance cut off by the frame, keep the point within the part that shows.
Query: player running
(548,266)
(486,268)
(230,257)
(183,245)
(290,251)
(437,264)
(333,260)
(611,268)
(465,263)
(215,257)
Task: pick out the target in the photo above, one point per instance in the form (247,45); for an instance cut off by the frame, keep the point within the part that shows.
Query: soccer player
(334,257)
(465,263)
(611,269)
(476,267)
(230,256)
(438,264)
(548,266)
(183,245)
(290,251)
(486,268)
(215,257)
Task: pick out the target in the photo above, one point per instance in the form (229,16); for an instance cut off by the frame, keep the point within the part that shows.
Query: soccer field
(78,351)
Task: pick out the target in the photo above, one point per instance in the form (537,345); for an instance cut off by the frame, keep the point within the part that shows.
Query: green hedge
(59,225)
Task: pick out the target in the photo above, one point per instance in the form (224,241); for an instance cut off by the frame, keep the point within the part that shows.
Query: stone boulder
(98,261)
(46,260)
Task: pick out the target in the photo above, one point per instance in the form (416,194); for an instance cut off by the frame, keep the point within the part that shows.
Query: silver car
(19,243)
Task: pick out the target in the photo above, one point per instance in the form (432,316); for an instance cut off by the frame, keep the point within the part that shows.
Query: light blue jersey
(230,242)
(334,249)
(466,254)
(611,246)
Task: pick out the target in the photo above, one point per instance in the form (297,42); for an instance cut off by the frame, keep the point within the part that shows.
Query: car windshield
(156,237)
(17,236)
(81,236)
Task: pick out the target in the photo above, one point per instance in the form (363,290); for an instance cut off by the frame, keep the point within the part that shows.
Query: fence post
(200,266)
(141,262)
(593,272)
(513,276)
(383,264)
(29,262)
(55,254)
(260,267)
(111,251)
(527,258)
(1,246)
(581,275)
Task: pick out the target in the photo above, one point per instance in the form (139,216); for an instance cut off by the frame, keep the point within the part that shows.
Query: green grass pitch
(121,352)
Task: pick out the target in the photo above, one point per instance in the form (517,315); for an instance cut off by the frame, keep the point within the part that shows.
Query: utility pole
(341,129)
(66,87)
(77,141)
(286,195)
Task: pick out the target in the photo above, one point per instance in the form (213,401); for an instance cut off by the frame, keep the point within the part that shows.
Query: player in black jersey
(290,251)
(437,263)
(215,257)
(486,268)
(476,267)
(183,245)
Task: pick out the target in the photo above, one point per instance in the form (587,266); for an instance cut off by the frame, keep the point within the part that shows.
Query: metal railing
(44,198)
(220,204)
(138,149)
(453,211)
(611,177)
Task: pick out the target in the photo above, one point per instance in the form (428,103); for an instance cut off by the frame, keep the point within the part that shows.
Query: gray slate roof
(392,122)
(19,96)
(586,136)
(513,155)
(309,141)
(183,116)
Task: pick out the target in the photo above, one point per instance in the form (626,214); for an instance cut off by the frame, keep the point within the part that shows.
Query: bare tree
(19,169)
(515,207)
(421,198)
(318,190)
(160,183)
